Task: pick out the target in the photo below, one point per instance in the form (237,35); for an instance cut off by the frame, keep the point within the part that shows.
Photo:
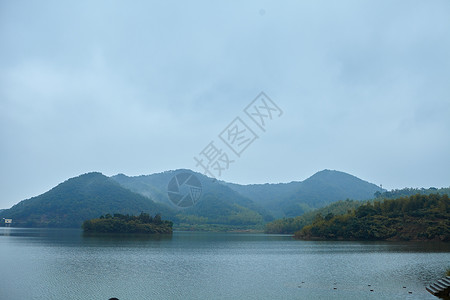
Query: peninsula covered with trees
(118,223)
(417,217)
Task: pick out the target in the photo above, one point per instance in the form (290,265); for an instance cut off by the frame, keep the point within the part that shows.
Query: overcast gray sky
(139,87)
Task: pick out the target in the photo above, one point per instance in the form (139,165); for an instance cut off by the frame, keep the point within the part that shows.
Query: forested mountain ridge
(295,198)
(328,186)
(93,194)
(270,200)
(77,199)
(221,204)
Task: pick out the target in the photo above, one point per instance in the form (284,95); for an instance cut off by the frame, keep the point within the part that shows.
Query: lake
(65,264)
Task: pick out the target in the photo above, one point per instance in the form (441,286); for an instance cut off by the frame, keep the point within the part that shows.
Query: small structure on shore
(440,288)
(8,222)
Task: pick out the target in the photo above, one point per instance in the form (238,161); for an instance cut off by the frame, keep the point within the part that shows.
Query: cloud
(142,87)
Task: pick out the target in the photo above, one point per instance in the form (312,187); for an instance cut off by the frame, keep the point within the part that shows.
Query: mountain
(325,187)
(295,198)
(77,199)
(90,195)
(220,203)
(269,200)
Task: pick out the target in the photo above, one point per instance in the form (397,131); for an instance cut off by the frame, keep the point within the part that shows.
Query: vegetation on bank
(406,192)
(417,217)
(118,223)
(291,225)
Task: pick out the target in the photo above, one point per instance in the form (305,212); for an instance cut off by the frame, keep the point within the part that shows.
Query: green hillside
(222,205)
(291,225)
(296,198)
(78,199)
(325,187)
(418,217)
(279,200)
(93,194)
(219,205)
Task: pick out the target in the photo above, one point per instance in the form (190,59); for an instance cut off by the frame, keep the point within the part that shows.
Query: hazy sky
(139,87)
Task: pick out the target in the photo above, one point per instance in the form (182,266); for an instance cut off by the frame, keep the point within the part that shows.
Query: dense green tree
(120,223)
(291,225)
(417,217)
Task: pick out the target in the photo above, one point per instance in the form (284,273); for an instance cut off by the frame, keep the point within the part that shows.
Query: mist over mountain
(221,203)
(295,198)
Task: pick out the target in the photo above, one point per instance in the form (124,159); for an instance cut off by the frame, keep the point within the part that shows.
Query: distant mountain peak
(327,174)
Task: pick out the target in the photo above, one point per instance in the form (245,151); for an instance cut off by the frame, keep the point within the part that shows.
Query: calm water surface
(65,264)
